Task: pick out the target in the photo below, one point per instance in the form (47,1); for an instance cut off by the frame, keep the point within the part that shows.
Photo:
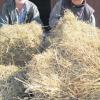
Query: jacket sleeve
(36,15)
(4,19)
(92,20)
(55,14)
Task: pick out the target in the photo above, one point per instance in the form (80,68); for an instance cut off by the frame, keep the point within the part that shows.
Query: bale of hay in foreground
(10,89)
(18,43)
(70,68)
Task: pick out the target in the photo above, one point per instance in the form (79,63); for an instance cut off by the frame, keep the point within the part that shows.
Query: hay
(9,87)
(38,67)
(70,68)
(19,42)
(69,29)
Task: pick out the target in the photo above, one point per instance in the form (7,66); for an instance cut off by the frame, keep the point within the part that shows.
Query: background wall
(1,4)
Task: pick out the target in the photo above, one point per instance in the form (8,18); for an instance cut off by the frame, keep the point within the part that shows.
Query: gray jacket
(10,15)
(56,14)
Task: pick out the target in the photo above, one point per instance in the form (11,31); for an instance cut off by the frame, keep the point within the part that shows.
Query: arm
(37,15)
(32,13)
(4,19)
(92,20)
(55,14)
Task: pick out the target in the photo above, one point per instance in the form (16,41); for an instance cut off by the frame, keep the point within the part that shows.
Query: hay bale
(69,29)
(18,43)
(41,84)
(70,68)
(59,77)
(10,89)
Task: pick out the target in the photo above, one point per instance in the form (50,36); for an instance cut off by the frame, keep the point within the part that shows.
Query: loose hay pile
(10,89)
(70,68)
(18,43)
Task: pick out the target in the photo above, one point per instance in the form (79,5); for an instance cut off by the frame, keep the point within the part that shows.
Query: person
(80,8)
(19,12)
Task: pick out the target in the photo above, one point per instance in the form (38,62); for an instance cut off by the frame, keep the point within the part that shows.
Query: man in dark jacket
(19,12)
(79,7)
